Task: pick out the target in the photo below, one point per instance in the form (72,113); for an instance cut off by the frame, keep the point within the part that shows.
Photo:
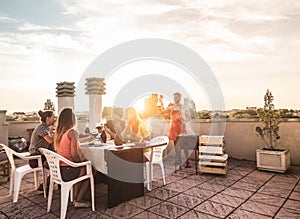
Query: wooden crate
(211,155)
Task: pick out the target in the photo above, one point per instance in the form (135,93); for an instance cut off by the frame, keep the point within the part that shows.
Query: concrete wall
(3,128)
(242,141)
(240,136)
(20,129)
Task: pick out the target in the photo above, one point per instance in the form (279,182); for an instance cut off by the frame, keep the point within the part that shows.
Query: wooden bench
(211,154)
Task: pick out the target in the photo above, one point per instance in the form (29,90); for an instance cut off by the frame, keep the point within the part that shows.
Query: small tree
(49,105)
(270,119)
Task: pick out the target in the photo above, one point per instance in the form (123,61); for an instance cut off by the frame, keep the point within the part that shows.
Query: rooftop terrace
(244,192)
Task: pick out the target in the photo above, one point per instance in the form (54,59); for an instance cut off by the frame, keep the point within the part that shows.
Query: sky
(250,46)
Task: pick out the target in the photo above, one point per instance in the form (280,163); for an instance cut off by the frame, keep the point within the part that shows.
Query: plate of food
(119,146)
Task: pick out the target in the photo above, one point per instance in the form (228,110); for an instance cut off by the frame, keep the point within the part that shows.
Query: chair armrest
(88,165)
(73,164)
(31,157)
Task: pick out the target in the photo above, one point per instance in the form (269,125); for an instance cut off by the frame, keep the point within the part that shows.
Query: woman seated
(66,143)
(135,131)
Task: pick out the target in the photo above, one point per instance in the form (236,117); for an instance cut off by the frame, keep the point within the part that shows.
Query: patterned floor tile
(123,210)
(178,187)
(251,180)
(286,178)
(189,183)
(240,193)
(16,210)
(262,175)
(281,185)
(211,187)
(224,182)
(148,215)
(284,193)
(288,213)
(214,209)
(260,208)
(247,186)
(172,178)
(162,193)
(267,199)
(200,177)
(297,188)
(196,215)
(168,210)
(227,200)
(200,193)
(243,214)
(292,204)
(295,196)
(144,202)
(186,200)
(240,172)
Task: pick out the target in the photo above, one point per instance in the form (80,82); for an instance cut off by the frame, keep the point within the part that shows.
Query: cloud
(235,37)
(6,19)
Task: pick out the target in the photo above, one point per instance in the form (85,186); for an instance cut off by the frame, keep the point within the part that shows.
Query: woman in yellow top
(136,129)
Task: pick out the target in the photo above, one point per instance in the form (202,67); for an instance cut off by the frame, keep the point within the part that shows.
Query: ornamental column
(65,92)
(95,88)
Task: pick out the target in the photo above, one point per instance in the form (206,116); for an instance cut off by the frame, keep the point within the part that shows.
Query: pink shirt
(64,148)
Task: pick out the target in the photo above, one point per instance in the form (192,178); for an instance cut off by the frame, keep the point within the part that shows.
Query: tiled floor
(244,192)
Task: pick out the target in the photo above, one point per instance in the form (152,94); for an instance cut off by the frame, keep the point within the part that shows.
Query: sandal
(82,204)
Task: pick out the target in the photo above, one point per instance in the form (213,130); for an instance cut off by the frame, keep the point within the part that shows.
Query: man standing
(177,126)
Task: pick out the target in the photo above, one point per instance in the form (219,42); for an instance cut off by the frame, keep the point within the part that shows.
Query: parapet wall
(240,136)
(241,140)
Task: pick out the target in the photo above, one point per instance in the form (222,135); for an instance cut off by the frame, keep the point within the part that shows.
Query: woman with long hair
(66,143)
(136,129)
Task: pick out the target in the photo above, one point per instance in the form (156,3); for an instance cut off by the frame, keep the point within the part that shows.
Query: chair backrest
(157,154)
(53,160)
(10,155)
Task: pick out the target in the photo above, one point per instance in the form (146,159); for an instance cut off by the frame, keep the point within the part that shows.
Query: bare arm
(88,138)
(49,139)
(76,153)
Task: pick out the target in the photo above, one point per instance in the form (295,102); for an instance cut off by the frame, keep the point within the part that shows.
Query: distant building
(251,108)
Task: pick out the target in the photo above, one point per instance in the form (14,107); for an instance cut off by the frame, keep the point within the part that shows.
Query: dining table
(122,166)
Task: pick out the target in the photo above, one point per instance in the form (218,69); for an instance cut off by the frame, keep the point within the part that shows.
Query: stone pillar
(65,92)
(95,88)
(3,128)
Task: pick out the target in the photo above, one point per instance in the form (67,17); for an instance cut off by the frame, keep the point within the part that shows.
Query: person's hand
(91,138)
(51,130)
(140,143)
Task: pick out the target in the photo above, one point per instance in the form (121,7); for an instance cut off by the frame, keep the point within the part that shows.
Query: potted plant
(271,158)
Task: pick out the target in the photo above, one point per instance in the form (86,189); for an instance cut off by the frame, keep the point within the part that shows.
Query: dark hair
(45,114)
(66,120)
(177,93)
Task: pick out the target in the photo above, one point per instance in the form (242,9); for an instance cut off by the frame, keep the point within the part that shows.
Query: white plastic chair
(156,157)
(54,160)
(17,173)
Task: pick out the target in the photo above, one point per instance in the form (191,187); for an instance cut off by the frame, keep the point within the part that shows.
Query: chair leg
(17,183)
(36,179)
(45,182)
(92,192)
(11,182)
(148,176)
(50,194)
(162,172)
(72,194)
(65,189)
